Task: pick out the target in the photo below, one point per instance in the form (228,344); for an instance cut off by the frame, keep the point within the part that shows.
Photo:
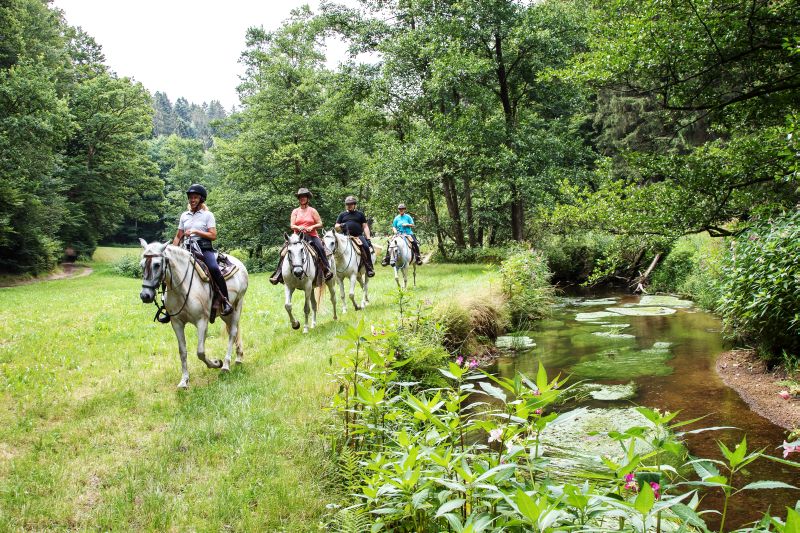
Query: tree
(163,115)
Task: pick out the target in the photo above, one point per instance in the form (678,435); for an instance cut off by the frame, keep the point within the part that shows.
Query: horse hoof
(239,361)
(217,363)
(305,331)
(183,385)
(295,325)
(225,369)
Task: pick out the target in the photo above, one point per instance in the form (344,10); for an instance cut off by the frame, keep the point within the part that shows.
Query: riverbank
(747,374)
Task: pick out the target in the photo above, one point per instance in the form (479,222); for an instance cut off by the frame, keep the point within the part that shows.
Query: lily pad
(585,317)
(575,441)
(661,345)
(599,301)
(642,311)
(616,326)
(514,342)
(664,301)
(614,335)
(609,393)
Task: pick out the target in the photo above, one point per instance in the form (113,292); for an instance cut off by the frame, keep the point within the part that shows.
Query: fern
(352,521)
(349,469)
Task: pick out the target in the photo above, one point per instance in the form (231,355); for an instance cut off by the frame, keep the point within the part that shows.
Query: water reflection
(682,378)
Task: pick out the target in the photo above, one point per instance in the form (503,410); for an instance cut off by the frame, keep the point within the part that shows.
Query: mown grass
(94,435)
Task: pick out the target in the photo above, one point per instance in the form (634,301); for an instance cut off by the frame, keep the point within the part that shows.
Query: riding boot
(415,249)
(227,308)
(277,276)
(385,261)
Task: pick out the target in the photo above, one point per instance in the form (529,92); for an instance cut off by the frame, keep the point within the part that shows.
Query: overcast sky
(181,47)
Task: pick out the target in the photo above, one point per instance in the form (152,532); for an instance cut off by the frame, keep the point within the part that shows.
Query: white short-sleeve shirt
(199,220)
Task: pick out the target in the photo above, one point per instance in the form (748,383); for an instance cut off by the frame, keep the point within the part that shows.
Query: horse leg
(313,308)
(232,325)
(332,290)
(353,291)
(307,306)
(178,327)
(364,282)
(414,271)
(344,298)
(288,305)
(202,330)
(405,277)
(396,277)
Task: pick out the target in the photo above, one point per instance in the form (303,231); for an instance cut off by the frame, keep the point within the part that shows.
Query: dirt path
(68,270)
(746,373)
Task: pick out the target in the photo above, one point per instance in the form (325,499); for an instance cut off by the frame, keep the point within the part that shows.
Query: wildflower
(656,489)
(784,394)
(630,482)
(495,435)
(459,360)
(790,447)
(537,392)
(538,411)
(383,332)
(473,364)
(374,332)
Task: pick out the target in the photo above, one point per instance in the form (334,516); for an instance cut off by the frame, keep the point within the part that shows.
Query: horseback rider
(305,219)
(402,224)
(355,224)
(199,225)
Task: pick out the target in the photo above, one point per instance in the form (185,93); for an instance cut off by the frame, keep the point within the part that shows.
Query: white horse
(400,256)
(345,264)
(299,271)
(188,300)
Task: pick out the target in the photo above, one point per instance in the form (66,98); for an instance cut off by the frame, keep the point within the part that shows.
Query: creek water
(671,359)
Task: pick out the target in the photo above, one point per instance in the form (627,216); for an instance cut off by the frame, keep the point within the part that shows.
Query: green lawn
(94,435)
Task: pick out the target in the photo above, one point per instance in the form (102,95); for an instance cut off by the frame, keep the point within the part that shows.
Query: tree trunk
(642,279)
(473,238)
(451,198)
(517,214)
(436,224)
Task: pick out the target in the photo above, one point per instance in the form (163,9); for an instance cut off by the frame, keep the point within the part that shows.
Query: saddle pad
(227,268)
(357,245)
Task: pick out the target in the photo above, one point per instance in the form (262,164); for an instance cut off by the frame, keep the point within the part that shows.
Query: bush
(572,258)
(526,286)
(692,269)
(760,286)
(467,325)
(128,266)
(266,262)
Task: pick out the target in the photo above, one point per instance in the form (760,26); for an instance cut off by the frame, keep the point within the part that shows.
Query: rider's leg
(316,242)
(385,261)
(367,255)
(219,280)
(415,248)
(277,276)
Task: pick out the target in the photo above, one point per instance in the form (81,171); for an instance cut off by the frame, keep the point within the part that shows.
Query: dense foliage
(760,289)
(526,286)
(472,456)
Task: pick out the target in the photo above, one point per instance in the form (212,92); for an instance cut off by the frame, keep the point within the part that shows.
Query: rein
(161,308)
(304,260)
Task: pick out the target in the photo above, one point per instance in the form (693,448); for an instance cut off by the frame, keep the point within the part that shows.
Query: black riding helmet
(196,188)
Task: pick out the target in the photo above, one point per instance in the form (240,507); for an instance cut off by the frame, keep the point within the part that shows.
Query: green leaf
(645,500)
(760,485)
(450,505)
(527,506)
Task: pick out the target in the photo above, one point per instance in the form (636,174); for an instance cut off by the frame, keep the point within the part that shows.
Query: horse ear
(164,246)
(285,236)
(143,242)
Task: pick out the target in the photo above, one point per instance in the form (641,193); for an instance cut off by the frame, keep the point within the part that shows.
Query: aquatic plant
(473,455)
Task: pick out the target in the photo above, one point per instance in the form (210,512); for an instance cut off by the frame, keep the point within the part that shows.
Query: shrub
(468,324)
(128,266)
(526,286)
(760,286)
(266,262)
(692,269)
(572,258)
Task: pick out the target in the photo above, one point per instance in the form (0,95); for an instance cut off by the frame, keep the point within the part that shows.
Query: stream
(669,354)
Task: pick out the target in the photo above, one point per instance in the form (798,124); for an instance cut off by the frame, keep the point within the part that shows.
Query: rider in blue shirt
(402,224)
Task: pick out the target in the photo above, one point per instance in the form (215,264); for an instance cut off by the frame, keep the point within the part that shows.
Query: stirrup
(275,279)
(227,308)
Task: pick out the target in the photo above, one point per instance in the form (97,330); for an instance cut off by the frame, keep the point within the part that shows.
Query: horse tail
(320,291)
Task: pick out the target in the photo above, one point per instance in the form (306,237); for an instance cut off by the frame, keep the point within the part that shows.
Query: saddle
(360,249)
(226,267)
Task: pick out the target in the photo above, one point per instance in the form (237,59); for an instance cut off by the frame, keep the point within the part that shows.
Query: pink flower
(459,360)
(784,394)
(473,364)
(495,435)
(373,330)
(656,488)
(537,392)
(630,483)
(538,411)
(789,448)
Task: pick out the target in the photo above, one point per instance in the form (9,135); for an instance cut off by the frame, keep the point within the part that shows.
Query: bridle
(161,281)
(303,256)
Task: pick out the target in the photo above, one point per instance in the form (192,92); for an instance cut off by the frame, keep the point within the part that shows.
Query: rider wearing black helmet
(355,223)
(198,224)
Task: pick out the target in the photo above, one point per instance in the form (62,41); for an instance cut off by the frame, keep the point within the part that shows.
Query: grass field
(94,435)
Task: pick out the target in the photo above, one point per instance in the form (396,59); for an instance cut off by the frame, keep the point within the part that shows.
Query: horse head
(154,266)
(330,241)
(297,254)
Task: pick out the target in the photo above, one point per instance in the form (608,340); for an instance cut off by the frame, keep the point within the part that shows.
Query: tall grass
(94,435)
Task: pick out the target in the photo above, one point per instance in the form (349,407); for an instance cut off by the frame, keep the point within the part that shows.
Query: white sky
(181,47)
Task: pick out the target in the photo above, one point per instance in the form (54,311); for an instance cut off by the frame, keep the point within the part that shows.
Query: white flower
(495,435)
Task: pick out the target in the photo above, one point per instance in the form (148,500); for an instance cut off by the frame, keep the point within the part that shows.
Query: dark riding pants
(316,242)
(216,274)
(367,253)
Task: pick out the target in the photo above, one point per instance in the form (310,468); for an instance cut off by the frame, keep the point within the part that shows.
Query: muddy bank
(744,372)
